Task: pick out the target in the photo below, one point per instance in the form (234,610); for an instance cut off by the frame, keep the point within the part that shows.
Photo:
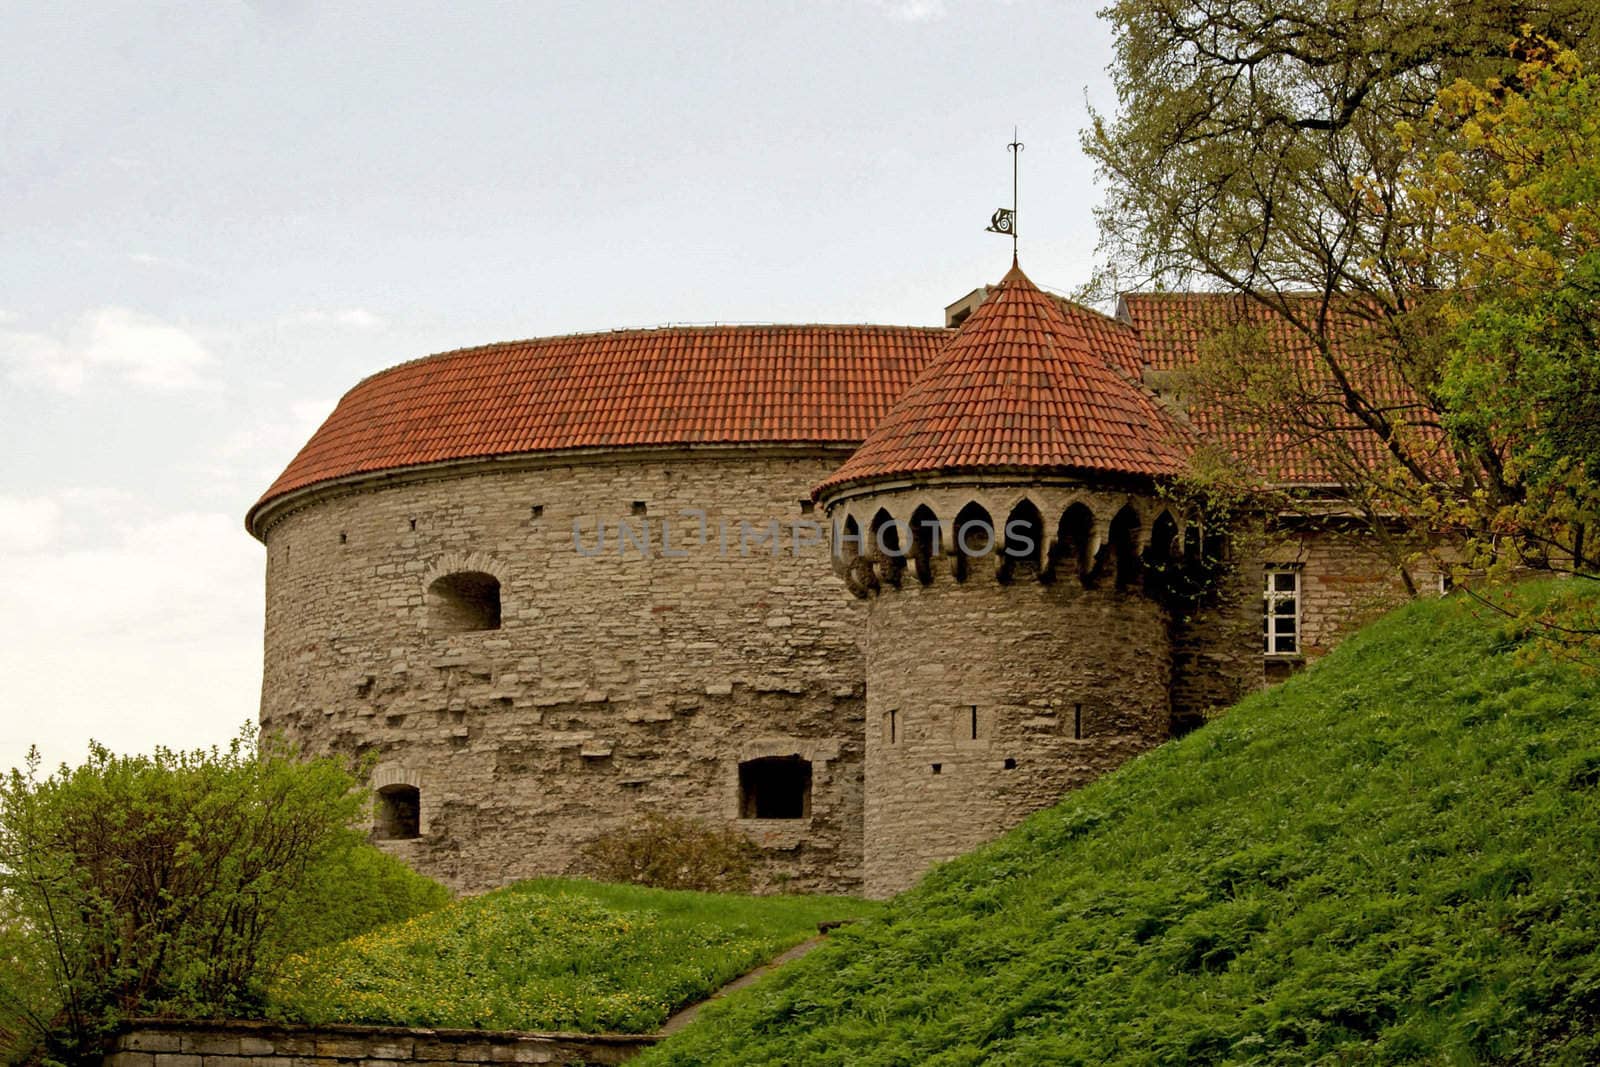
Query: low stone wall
(166,1043)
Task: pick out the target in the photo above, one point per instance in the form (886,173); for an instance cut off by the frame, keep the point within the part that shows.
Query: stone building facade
(550,585)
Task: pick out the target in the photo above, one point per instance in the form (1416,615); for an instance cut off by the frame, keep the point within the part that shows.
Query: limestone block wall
(174,1043)
(1216,638)
(623,678)
(1059,683)
(1346,579)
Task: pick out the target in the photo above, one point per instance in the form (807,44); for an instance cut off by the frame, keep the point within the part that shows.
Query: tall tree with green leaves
(1257,150)
(1510,194)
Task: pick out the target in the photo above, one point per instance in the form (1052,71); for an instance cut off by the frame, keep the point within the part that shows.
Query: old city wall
(621,681)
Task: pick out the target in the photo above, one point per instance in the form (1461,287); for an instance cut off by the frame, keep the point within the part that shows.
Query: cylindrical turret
(1004,525)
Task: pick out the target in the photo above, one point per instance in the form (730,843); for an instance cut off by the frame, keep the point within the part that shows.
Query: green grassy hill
(550,954)
(1394,857)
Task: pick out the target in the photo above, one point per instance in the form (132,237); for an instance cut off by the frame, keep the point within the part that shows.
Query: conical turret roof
(1020,386)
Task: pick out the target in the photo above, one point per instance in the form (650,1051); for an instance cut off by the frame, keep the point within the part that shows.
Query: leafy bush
(347,892)
(550,954)
(170,884)
(669,852)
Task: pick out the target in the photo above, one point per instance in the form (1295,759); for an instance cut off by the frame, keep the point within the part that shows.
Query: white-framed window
(1280,611)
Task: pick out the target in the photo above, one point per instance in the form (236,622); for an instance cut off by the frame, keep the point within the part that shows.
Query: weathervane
(1004,220)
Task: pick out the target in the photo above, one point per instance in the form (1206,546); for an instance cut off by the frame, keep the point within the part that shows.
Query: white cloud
(913,10)
(8,317)
(150,259)
(28,524)
(351,318)
(257,453)
(124,624)
(113,343)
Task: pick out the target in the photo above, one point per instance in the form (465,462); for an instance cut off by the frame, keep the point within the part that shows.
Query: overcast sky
(215,218)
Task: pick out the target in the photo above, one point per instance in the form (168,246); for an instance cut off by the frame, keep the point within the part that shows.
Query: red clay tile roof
(669,386)
(1021,384)
(1114,340)
(1318,442)
(1044,383)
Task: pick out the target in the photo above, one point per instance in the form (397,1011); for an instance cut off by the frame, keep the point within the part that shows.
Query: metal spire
(1015,148)
(1004,221)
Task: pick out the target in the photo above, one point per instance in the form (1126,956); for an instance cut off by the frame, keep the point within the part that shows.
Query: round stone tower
(1004,525)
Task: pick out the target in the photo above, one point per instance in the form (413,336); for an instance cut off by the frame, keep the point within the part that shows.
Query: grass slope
(550,954)
(1394,857)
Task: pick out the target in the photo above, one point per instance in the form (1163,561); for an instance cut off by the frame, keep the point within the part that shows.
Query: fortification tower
(1004,525)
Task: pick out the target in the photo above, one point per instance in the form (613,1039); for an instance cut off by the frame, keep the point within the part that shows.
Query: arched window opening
(849,560)
(973,538)
(1163,559)
(925,543)
(399,813)
(463,602)
(887,547)
(775,787)
(1022,541)
(1125,546)
(1074,534)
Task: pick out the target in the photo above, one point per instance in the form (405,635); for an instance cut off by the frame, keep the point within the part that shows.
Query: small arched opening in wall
(1124,546)
(925,542)
(463,602)
(1163,559)
(1074,535)
(775,787)
(887,547)
(972,538)
(399,815)
(851,563)
(1022,542)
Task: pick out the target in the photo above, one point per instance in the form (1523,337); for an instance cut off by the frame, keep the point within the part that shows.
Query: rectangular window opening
(775,787)
(1280,611)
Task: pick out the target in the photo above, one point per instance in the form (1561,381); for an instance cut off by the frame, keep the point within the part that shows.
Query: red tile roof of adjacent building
(1305,436)
(1022,384)
(668,386)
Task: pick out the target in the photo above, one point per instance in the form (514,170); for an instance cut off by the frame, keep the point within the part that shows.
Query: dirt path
(686,1016)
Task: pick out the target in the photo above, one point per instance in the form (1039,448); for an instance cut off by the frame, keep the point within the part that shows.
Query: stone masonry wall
(1040,664)
(618,682)
(988,700)
(1346,580)
(160,1043)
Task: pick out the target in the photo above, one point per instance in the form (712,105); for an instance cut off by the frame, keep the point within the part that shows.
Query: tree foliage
(1512,197)
(1272,149)
(155,884)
